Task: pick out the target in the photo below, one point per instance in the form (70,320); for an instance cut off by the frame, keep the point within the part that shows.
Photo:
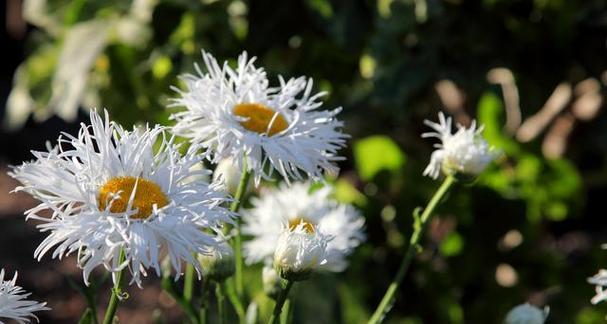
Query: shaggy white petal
(600,281)
(68,180)
(277,208)
(464,151)
(307,146)
(299,252)
(14,304)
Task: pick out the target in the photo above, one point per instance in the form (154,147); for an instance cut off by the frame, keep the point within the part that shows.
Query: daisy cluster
(246,124)
(135,199)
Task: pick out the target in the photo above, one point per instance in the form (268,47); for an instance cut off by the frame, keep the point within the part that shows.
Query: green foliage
(550,188)
(376,153)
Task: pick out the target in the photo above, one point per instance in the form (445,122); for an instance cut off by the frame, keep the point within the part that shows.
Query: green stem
(220,301)
(205,298)
(418,228)
(280,301)
(284,317)
(188,285)
(231,292)
(116,292)
(238,197)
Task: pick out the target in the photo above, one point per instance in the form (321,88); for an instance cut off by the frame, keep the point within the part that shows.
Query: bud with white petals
(526,314)
(299,252)
(465,151)
(272,282)
(228,173)
(218,264)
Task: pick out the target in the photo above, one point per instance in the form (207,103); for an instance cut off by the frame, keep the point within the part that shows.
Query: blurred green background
(533,72)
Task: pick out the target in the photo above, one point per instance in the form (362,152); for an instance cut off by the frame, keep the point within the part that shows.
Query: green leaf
(490,111)
(376,153)
(345,192)
(452,245)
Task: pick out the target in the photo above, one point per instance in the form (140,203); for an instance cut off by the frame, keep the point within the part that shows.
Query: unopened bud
(218,264)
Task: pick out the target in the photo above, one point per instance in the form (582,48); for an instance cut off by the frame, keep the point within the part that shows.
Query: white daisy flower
(600,281)
(292,206)
(234,113)
(526,314)
(299,252)
(109,190)
(466,151)
(13,302)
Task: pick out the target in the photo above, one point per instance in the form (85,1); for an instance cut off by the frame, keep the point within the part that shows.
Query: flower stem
(220,301)
(284,317)
(280,301)
(233,298)
(116,292)
(188,285)
(205,301)
(418,228)
(238,197)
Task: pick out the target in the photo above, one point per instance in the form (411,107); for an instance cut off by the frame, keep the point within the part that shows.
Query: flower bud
(229,174)
(526,314)
(272,283)
(299,252)
(218,264)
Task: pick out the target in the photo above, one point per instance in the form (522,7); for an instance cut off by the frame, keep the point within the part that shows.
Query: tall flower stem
(116,293)
(188,285)
(234,300)
(220,301)
(280,301)
(238,197)
(419,226)
(205,285)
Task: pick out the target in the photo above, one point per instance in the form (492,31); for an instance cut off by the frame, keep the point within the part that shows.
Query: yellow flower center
(308,226)
(260,118)
(146,196)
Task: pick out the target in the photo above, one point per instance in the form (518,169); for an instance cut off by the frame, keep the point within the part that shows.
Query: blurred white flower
(234,113)
(600,281)
(465,151)
(218,263)
(13,302)
(109,190)
(299,252)
(292,206)
(526,314)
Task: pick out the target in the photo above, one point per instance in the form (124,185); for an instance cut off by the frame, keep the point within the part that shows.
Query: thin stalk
(284,317)
(221,315)
(419,226)
(231,292)
(238,197)
(205,301)
(188,284)
(280,301)
(116,292)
